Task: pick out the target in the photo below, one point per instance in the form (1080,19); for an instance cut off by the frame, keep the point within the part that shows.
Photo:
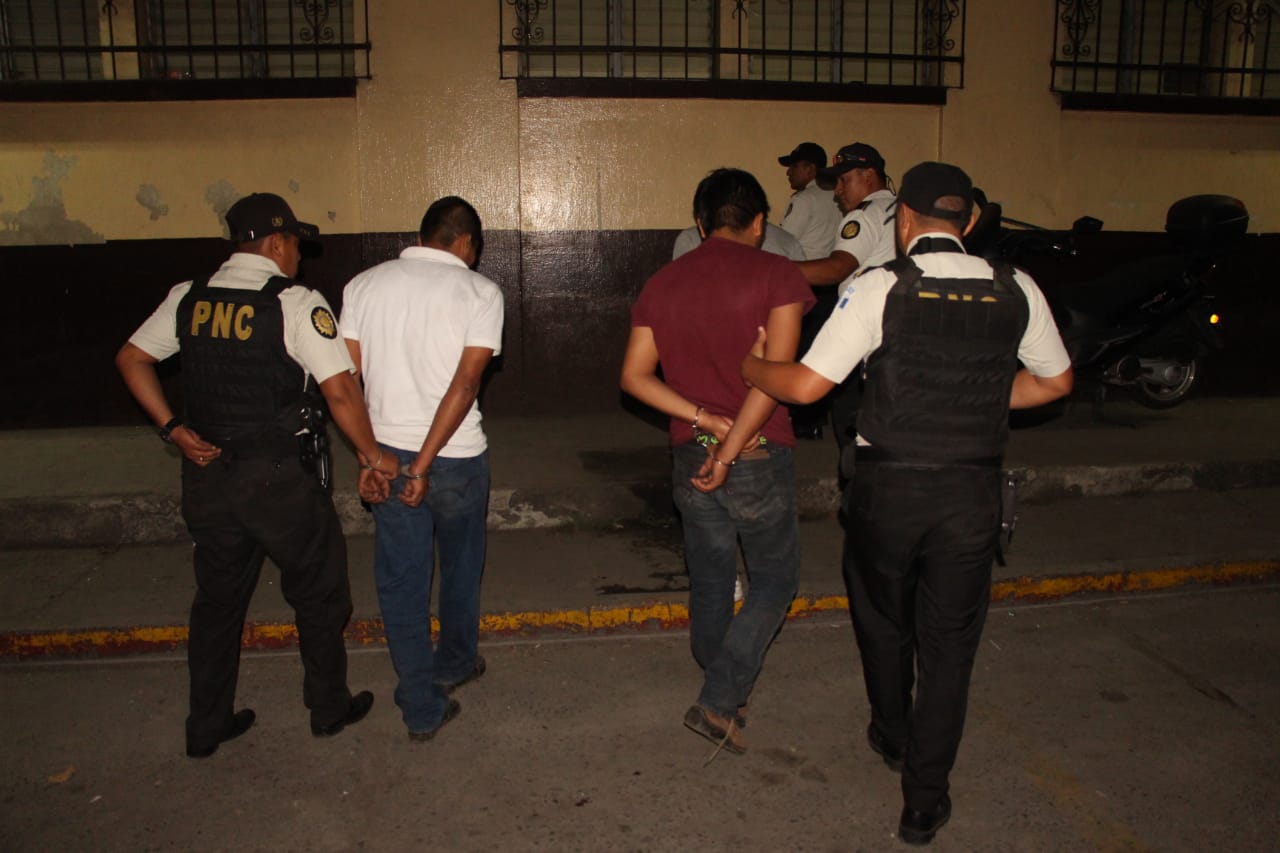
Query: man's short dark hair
(729,198)
(449,218)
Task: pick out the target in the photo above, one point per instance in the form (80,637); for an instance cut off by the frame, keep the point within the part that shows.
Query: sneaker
(477,670)
(715,728)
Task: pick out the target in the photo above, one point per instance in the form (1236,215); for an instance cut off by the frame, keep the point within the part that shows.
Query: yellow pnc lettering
(243,328)
(199,316)
(221,327)
(223,319)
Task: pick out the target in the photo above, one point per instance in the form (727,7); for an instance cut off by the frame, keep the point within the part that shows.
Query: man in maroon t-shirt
(696,317)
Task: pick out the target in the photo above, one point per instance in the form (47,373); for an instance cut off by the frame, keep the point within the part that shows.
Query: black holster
(1008,514)
(313,445)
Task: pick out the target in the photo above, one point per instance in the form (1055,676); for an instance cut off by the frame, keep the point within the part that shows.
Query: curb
(29,646)
(153,519)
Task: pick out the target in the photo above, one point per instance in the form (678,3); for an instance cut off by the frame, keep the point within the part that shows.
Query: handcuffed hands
(713,473)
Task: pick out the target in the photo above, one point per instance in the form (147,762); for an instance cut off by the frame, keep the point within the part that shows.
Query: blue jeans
(453,516)
(757,507)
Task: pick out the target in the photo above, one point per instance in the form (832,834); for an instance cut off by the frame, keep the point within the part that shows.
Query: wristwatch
(168,428)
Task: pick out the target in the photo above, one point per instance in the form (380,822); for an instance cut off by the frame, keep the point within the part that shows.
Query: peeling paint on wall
(294,186)
(44,221)
(149,197)
(220,197)
(333,216)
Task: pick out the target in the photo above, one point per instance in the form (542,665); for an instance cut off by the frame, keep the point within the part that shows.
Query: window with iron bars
(894,50)
(1168,55)
(176,48)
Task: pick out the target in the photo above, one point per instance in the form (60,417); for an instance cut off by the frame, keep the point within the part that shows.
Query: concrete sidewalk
(95,561)
(120,486)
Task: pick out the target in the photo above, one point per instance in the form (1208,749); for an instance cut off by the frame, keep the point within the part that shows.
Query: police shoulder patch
(850,230)
(322,320)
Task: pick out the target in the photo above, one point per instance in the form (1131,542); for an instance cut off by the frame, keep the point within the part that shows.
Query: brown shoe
(477,669)
(451,711)
(722,731)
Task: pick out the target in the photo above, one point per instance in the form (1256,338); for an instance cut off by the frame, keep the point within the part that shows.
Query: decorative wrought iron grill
(1190,48)
(875,42)
(60,41)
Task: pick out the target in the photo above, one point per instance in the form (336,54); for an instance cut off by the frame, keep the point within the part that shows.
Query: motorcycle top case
(1206,224)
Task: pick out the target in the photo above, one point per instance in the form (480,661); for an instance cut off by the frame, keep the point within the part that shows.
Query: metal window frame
(1170,56)
(314,48)
(530,31)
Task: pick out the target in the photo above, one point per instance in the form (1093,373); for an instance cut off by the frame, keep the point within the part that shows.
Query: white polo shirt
(413,317)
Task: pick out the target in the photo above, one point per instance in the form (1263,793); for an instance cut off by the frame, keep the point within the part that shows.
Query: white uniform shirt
(813,217)
(776,241)
(855,327)
(867,231)
(310,331)
(413,317)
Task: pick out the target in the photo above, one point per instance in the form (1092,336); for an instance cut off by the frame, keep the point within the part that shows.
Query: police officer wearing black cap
(864,239)
(942,334)
(812,215)
(253,341)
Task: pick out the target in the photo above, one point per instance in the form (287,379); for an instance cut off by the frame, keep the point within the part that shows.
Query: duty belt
(245,448)
(867,453)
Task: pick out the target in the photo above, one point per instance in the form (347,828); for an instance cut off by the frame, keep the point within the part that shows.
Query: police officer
(251,340)
(943,334)
(812,215)
(865,239)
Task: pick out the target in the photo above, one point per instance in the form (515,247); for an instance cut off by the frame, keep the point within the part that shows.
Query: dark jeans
(918,552)
(757,507)
(240,510)
(452,516)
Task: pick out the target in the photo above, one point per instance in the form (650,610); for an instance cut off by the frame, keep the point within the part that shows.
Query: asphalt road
(1147,723)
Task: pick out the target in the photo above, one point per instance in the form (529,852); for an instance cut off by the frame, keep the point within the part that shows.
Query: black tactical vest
(937,389)
(239,383)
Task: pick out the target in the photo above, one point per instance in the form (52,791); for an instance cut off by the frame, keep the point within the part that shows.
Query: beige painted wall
(75,173)
(625,164)
(1050,166)
(435,119)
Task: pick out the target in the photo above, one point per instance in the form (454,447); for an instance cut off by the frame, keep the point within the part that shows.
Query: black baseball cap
(925,183)
(259,214)
(859,155)
(806,152)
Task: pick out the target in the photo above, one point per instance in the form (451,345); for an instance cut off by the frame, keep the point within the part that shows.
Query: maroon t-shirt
(704,308)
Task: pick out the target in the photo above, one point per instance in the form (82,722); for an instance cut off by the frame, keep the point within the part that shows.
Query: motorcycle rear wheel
(1166,382)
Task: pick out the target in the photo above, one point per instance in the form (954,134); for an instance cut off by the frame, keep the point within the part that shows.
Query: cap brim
(306,231)
(827,177)
(786,160)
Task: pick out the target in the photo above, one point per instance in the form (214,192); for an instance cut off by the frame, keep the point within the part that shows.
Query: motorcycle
(1145,325)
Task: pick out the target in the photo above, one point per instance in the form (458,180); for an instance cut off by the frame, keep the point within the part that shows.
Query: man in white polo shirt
(423,329)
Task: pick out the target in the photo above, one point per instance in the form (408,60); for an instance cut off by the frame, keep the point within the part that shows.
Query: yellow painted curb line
(1040,589)
(657,616)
